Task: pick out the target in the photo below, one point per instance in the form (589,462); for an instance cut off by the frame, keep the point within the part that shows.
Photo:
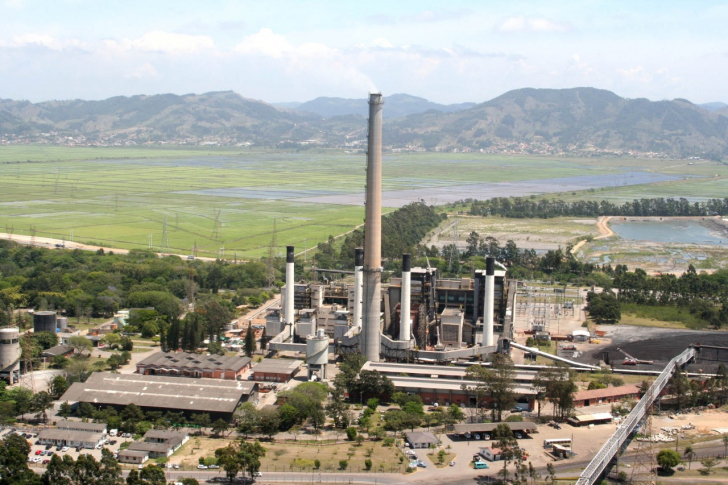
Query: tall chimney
(404,314)
(290,276)
(488,305)
(373,232)
(358,282)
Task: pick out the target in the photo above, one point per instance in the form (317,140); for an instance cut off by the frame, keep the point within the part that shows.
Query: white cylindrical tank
(358,285)
(489,304)
(317,349)
(404,319)
(290,276)
(9,346)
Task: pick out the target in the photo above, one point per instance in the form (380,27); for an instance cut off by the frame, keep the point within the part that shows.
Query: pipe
(358,283)
(373,232)
(288,311)
(488,304)
(404,314)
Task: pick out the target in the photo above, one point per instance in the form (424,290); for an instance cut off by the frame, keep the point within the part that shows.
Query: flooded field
(681,231)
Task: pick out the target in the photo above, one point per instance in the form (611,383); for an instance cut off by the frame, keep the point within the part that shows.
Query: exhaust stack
(405,324)
(290,276)
(488,303)
(373,232)
(358,285)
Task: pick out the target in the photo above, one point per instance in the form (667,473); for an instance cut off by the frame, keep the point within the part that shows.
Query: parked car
(202,467)
(48,447)
(477,436)
(214,466)
(64,449)
(175,466)
(257,474)
(452,463)
(422,464)
(480,465)
(37,452)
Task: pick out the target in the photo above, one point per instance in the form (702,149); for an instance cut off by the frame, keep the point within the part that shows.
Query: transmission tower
(194,249)
(27,351)
(150,243)
(216,228)
(644,470)
(32,235)
(9,229)
(270,270)
(165,238)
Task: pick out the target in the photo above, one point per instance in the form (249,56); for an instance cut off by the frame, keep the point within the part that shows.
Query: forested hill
(579,120)
(570,119)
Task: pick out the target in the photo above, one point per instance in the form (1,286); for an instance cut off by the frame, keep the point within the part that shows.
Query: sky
(282,50)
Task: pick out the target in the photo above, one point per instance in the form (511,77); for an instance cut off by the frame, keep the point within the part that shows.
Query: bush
(343,464)
(514,418)
(317,463)
(409,469)
(372,403)
(388,441)
(351,433)
(368,464)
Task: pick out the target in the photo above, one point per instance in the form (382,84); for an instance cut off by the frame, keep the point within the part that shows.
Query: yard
(302,455)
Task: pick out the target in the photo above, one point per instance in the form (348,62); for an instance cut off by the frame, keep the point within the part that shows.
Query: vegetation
(494,389)
(668,458)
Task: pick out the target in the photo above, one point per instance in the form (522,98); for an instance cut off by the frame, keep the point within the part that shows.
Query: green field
(119,197)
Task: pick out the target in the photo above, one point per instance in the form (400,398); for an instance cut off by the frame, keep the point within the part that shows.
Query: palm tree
(689,453)
(725,445)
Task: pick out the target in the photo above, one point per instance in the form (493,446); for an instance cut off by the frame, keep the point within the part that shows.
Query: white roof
(581,332)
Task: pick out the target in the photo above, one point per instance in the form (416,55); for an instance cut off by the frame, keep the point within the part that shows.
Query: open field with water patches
(119,197)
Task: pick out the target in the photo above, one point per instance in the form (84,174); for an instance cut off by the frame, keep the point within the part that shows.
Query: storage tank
(9,347)
(62,323)
(317,354)
(44,322)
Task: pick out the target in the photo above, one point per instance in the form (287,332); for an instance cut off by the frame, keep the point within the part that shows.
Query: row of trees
(531,207)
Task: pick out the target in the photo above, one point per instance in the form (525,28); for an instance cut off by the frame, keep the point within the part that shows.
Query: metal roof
(440,384)
(420,437)
(188,394)
(619,391)
(186,360)
(69,435)
(81,426)
(434,371)
(278,366)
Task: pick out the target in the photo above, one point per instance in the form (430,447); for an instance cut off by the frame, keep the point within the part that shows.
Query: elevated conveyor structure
(593,472)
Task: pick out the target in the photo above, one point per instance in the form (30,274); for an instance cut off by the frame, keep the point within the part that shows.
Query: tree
(343,464)
(249,457)
(372,384)
(65,409)
(551,471)
(708,464)
(679,385)
(372,403)
(247,418)
(152,475)
(227,458)
(368,464)
(81,345)
(14,451)
(59,362)
(351,433)
(338,409)
(220,427)
(269,421)
(603,307)
(263,340)
(668,458)
(59,385)
(688,452)
(40,403)
(496,383)
(249,343)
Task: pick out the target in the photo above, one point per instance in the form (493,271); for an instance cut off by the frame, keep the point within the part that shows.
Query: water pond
(681,231)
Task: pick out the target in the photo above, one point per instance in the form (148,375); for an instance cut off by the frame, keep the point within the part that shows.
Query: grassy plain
(229,197)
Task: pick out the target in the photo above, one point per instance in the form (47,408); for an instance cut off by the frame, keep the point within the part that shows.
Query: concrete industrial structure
(10,354)
(276,370)
(194,365)
(416,317)
(217,397)
(44,322)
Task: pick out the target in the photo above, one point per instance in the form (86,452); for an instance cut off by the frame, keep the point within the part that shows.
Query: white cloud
(145,71)
(264,43)
(531,24)
(164,42)
(39,40)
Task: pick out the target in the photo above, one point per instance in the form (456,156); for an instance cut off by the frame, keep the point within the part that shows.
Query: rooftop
(424,437)
(58,350)
(188,394)
(81,426)
(197,361)
(145,446)
(165,434)
(488,427)
(278,366)
(626,390)
(69,435)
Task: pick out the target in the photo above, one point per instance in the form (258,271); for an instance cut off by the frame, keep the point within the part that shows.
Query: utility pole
(270,270)
(165,238)
(32,234)
(216,228)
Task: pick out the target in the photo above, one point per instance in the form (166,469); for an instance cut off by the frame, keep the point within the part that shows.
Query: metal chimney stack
(405,324)
(358,285)
(290,276)
(373,232)
(488,303)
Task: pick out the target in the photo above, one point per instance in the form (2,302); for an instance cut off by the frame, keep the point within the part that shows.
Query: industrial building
(276,370)
(10,354)
(217,397)
(194,365)
(157,443)
(594,397)
(417,317)
(74,434)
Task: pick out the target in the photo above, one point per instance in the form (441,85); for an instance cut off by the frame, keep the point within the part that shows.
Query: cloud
(531,24)
(39,40)
(264,43)
(144,71)
(164,42)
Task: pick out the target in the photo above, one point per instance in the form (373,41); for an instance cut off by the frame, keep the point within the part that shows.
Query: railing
(600,461)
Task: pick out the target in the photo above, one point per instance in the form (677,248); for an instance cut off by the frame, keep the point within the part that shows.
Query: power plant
(417,317)
(10,354)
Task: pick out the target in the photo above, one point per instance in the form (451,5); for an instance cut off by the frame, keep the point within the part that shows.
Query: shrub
(368,464)
(317,463)
(351,433)
(343,464)
(409,469)
(514,418)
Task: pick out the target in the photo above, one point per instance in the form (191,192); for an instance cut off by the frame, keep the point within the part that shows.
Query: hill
(397,106)
(715,106)
(578,118)
(163,117)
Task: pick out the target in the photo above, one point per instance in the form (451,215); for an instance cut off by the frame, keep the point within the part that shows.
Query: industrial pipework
(290,277)
(373,232)
(488,304)
(404,314)
(358,285)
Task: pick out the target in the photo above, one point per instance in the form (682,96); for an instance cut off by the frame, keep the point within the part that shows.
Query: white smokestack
(373,234)
(404,315)
(290,276)
(488,303)
(358,285)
